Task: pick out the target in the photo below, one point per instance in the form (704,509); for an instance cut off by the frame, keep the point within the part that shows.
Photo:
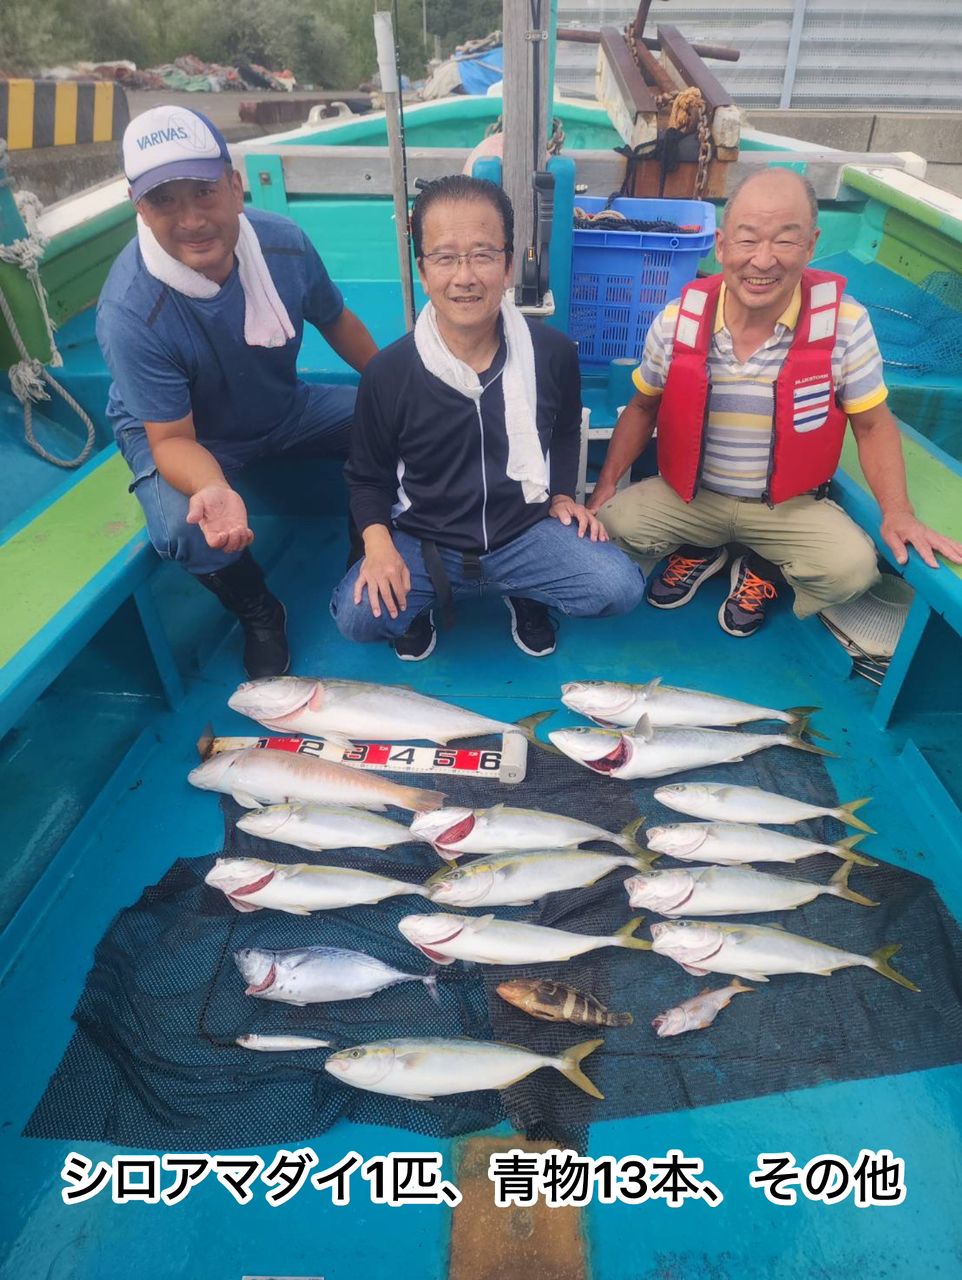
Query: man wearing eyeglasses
(465,450)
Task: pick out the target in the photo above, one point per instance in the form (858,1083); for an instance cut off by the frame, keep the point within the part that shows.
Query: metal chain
(555,142)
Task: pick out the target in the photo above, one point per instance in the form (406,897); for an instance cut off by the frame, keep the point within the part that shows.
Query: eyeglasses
(480,259)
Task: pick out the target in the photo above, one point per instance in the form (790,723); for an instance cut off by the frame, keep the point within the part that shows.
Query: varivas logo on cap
(167,143)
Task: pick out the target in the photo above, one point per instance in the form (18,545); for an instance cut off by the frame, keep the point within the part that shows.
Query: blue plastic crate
(620,280)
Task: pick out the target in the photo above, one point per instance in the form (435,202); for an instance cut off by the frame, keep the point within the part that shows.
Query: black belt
(439,578)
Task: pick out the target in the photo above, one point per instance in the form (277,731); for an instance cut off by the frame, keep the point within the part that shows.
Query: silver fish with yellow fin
(426,1069)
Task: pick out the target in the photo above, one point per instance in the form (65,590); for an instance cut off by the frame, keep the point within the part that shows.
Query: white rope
(28,376)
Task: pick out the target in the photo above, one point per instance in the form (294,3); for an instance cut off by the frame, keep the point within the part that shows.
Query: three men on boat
(751,379)
(465,452)
(200,322)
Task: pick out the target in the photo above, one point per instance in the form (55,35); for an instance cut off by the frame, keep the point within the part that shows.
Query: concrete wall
(934,135)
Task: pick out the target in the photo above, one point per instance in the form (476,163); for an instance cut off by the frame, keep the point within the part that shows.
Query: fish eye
(356,1053)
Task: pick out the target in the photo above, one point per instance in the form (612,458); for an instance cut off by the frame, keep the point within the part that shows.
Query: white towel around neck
(526,461)
(266,320)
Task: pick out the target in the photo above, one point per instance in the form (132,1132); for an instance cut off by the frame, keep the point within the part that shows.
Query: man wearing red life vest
(751,377)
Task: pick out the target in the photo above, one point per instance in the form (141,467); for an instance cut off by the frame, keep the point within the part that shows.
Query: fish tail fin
(846,813)
(879,962)
(740,986)
(569,1066)
(795,739)
(845,849)
(418,800)
(800,718)
(626,938)
(840,883)
(430,980)
(625,839)
(528,724)
(619,1020)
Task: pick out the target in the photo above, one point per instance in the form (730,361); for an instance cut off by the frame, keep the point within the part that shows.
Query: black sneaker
(531,626)
(684,573)
(744,610)
(418,641)
(265,640)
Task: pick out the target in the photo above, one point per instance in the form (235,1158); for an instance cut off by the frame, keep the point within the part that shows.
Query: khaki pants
(825,557)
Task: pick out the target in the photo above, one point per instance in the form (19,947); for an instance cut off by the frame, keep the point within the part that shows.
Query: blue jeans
(323,430)
(549,562)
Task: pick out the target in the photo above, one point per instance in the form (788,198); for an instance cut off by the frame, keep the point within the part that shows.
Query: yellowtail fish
(753,951)
(485,940)
(518,879)
(723,891)
(426,1069)
(554,1002)
(655,753)
(280,1044)
(721,802)
(249,884)
(730,843)
(354,711)
(502,829)
(317,827)
(622,705)
(256,776)
(698,1012)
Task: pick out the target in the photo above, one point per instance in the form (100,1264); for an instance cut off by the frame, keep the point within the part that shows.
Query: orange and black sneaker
(744,610)
(684,573)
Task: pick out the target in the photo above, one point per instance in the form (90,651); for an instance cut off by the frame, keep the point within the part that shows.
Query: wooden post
(526,114)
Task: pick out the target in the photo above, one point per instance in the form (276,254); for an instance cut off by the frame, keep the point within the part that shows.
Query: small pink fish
(700,1011)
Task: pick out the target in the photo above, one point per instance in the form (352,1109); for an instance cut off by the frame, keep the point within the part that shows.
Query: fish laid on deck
(617,705)
(486,940)
(280,1043)
(426,1069)
(250,884)
(502,829)
(355,711)
(256,776)
(698,1012)
(317,827)
(518,879)
(730,843)
(655,753)
(555,1002)
(315,975)
(753,951)
(719,801)
(720,891)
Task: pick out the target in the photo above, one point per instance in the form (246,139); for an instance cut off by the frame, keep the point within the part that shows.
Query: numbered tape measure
(505,765)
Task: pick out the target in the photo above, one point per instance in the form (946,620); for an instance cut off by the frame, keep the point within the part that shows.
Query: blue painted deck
(150,816)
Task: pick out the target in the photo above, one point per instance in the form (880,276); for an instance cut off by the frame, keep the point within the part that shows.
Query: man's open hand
(222,517)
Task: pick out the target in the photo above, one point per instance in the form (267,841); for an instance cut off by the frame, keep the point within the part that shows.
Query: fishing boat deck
(148,816)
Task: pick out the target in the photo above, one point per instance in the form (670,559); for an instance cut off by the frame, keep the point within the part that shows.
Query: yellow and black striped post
(53,113)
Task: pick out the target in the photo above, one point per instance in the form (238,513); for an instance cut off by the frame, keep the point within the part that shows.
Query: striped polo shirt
(738,435)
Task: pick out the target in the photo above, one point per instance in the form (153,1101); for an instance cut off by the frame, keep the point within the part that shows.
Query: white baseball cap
(166,143)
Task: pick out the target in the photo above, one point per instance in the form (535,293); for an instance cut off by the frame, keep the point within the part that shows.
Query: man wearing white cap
(200,322)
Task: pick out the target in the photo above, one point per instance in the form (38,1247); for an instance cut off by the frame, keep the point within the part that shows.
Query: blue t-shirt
(169,354)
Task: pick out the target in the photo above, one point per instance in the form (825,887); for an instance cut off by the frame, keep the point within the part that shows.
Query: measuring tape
(505,765)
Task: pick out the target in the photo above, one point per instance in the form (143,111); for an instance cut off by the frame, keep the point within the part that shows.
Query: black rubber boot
(241,589)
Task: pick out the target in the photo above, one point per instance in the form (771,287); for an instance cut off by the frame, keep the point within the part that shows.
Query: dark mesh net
(153,1063)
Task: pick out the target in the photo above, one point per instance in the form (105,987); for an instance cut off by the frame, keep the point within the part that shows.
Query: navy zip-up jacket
(424,460)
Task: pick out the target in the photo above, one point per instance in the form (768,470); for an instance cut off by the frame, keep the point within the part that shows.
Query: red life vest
(809,424)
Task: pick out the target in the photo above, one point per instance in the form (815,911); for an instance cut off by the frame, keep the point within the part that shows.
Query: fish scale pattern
(153,1063)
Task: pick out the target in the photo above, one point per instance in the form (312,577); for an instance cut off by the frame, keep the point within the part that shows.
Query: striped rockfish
(554,1002)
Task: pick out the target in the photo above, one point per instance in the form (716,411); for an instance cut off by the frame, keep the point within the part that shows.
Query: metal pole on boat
(391,91)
